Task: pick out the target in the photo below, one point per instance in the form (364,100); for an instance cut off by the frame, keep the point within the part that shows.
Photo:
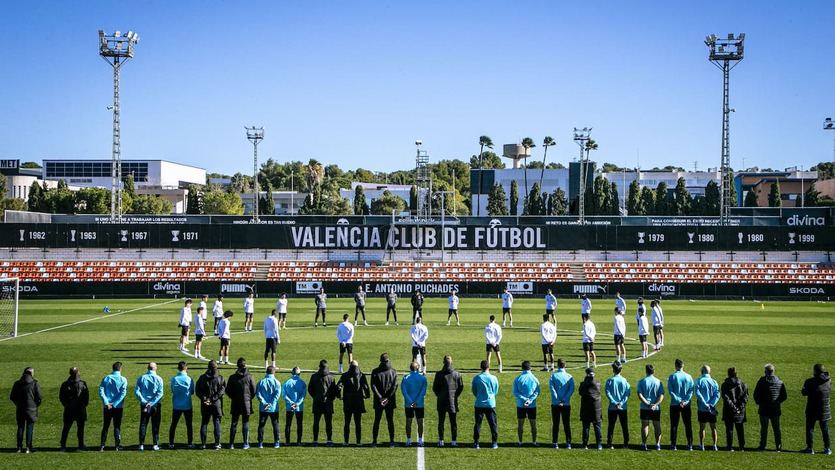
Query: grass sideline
(792,335)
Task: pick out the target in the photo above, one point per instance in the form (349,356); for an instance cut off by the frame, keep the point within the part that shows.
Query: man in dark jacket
(384,387)
(734,397)
(210,389)
(26,395)
(417,305)
(591,413)
(769,394)
(74,397)
(448,386)
(322,389)
(816,390)
(240,390)
(353,389)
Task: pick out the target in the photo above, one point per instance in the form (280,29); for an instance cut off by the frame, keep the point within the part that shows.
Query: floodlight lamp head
(829,124)
(418,142)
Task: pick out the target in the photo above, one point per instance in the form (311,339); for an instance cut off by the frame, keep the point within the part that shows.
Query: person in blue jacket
(485,387)
(295,390)
(526,390)
(149,390)
(413,388)
(268,392)
(561,384)
(707,392)
(680,388)
(651,394)
(112,392)
(182,389)
(618,391)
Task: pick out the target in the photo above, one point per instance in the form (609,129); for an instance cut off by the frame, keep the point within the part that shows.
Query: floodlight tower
(423,183)
(829,125)
(725,54)
(582,136)
(255,135)
(116,49)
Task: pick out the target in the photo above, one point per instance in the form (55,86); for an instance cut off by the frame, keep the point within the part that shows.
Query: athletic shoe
(644,447)
(391,444)
(689,447)
(231,446)
(100,450)
(202,446)
(329,444)
(440,443)
(218,447)
(808,450)
(599,446)
(519,444)
(673,448)
(62,449)
(260,445)
(156,447)
(408,443)
(544,369)
(365,323)
(555,446)
(458,323)
(324,324)
(495,445)
(475,446)
(702,448)
(141,447)
(387,323)
(658,447)
(396,324)
(453,444)
(568,446)
(827,451)
(191,446)
(246,446)
(170,446)
(276,445)
(315,324)
(448,323)
(715,448)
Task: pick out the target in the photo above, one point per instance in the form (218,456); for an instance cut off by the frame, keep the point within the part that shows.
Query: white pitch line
(67,325)
(421,460)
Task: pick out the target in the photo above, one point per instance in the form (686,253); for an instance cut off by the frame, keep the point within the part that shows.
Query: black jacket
(26,395)
(734,397)
(590,404)
(241,389)
(769,393)
(384,385)
(417,300)
(448,386)
(75,397)
(816,390)
(210,389)
(322,389)
(354,390)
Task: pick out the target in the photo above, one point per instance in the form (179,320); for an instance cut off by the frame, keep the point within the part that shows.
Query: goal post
(9,297)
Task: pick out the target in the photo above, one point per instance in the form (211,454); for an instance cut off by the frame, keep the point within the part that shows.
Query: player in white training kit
(224,331)
(585,306)
(204,305)
(619,334)
(657,323)
(507,307)
(620,304)
(272,339)
(643,329)
(589,332)
(493,336)
(281,308)
(640,309)
(419,334)
(551,306)
(249,311)
(199,332)
(453,310)
(548,331)
(217,311)
(345,336)
(185,322)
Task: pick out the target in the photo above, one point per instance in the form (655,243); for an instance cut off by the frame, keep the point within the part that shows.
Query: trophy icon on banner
(72,235)
(641,237)
(739,236)
(175,235)
(21,234)
(124,234)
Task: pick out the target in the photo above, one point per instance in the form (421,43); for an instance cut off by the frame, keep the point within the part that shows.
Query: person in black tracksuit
(210,389)
(384,387)
(240,389)
(417,305)
(26,395)
(74,396)
(448,386)
(322,389)
(591,408)
(734,397)
(353,390)
(816,390)
(769,394)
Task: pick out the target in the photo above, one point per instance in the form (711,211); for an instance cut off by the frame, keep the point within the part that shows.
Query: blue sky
(355,83)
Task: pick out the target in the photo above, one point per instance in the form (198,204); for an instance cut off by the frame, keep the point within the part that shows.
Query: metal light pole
(255,135)
(725,54)
(116,49)
(829,125)
(292,206)
(581,136)
(443,195)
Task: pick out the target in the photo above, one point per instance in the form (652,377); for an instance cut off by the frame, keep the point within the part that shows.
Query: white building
(373,191)
(286,202)
(696,181)
(551,180)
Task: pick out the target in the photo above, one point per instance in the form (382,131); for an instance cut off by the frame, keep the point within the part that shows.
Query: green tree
(514,198)
(751,198)
(128,186)
(36,198)
(150,204)
(30,165)
(774,198)
(194,202)
(219,202)
(661,201)
(266,204)
(360,205)
(61,200)
(614,200)
(387,203)
(633,198)
(600,194)
(710,205)
(11,204)
(557,202)
(811,197)
(92,201)
(826,170)
(527,144)
(683,201)
(647,201)
(489,160)
(413,199)
(534,205)
(483,141)
(496,201)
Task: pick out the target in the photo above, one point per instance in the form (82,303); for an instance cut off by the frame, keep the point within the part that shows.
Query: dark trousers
(288,421)
(209,413)
(357,311)
(233,429)
(416,312)
(378,415)
(69,419)
(453,424)
(391,310)
(810,430)
(557,413)
(615,415)
(322,311)
(775,426)
(685,414)
(490,414)
(262,421)
(597,432)
(740,434)
(115,415)
(24,423)
(175,419)
(154,416)
(346,430)
(328,425)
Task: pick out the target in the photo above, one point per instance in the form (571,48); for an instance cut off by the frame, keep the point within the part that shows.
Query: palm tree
(527,142)
(548,141)
(483,141)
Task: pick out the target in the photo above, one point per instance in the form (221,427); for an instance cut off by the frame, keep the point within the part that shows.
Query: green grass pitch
(792,335)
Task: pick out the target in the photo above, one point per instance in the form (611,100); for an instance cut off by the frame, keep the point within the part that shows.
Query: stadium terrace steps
(578,273)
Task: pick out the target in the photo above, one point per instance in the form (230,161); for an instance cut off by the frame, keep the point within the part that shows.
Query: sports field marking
(67,325)
(421,461)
